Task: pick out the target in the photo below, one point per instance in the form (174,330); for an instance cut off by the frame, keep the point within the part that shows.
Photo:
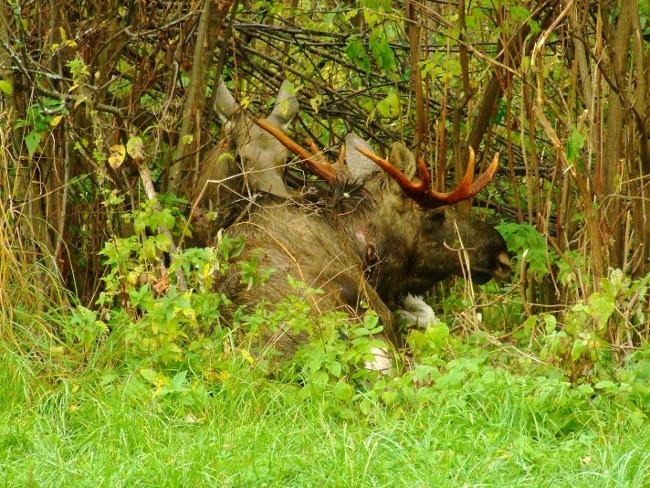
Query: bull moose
(383,238)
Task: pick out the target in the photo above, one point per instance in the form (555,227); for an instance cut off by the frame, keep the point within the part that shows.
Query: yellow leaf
(56,120)
(117,156)
(316,102)
(64,37)
(247,356)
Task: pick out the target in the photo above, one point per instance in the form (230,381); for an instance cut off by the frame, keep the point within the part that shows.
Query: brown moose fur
(376,247)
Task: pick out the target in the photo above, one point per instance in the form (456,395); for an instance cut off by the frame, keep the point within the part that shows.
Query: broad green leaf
(356,51)
(529,323)
(343,391)
(32,140)
(381,51)
(575,143)
(6,87)
(148,374)
(163,242)
(334,367)
(438,334)
(551,323)
(488,378)
(578,347)
(602,306)
(389,106)
(134,148)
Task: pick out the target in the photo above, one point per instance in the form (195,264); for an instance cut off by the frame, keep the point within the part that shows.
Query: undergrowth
(151,366)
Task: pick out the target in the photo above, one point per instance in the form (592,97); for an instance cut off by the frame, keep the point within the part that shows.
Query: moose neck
(384,234)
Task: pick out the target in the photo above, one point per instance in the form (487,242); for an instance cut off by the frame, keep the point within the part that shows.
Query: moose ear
(286,107)
(224,103)
(360,166)
(403,159)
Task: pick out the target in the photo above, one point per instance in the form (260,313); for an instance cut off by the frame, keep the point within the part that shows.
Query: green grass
(254,432)
(70,416)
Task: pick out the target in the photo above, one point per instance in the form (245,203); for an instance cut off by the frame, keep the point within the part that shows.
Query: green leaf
(601,385)
(148,374)
(579,346)
(6,87)
(389,106)
(357,54)
(472,367)
(438,334)
(134,148)
(389,397)
(343,391)
(178,383)
(319,378)
(575,143)
(370,321)
(334,367)
(382,51)
(551,323)
(602,306)
(488,378)
(452,379)
(163,242)
(529,323)
(32,140)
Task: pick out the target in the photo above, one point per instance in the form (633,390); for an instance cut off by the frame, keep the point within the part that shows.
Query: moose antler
(423,194)
(326,171)
(420,192)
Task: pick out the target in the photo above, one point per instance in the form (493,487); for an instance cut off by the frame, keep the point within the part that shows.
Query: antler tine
(414,190)
(461,192)
(422,193)
(323,170)
(423,173)
(340,162)
(482,181)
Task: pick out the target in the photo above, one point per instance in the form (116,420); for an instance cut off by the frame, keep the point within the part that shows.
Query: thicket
(108,114)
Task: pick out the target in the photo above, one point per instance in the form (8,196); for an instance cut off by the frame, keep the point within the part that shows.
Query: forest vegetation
(117,366)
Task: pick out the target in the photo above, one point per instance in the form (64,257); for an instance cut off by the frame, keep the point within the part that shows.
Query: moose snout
(503,267)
